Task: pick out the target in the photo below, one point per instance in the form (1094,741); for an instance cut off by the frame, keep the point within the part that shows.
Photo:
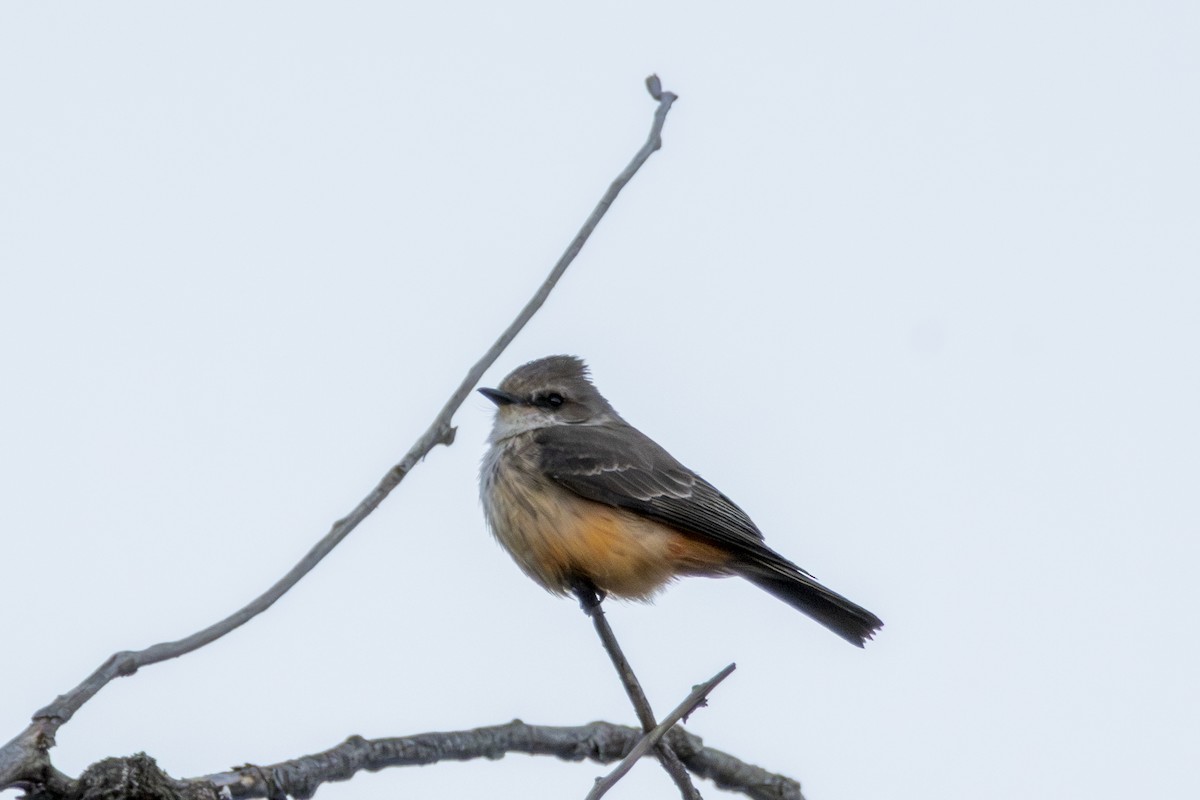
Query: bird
(588,505)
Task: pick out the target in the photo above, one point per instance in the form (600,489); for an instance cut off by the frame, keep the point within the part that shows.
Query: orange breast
(554,534)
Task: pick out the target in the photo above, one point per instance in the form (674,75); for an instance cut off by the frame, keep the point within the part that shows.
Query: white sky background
(916,285)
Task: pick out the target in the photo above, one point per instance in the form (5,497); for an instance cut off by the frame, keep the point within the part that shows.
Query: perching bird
(586,503)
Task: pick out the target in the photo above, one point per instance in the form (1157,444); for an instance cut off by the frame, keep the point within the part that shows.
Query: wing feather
(620,466)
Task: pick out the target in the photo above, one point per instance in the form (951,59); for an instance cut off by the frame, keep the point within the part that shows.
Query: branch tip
(654,86)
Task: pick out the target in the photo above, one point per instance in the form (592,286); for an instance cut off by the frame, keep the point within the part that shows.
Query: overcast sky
(915,284)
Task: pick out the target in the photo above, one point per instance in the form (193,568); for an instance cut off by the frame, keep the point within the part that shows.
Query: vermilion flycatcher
(586,503)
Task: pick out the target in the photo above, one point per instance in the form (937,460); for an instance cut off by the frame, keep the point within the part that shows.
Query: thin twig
(24,756)
(633,688)
(641,705)
(697,698)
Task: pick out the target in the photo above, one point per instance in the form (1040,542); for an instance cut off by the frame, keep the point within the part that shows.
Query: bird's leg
(589,596)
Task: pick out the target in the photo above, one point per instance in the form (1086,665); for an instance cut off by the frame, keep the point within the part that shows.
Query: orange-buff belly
(553,535)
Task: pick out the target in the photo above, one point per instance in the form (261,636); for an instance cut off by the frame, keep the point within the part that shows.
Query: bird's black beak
(498,397)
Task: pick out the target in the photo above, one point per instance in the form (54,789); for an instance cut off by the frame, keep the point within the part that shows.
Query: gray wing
(620,466)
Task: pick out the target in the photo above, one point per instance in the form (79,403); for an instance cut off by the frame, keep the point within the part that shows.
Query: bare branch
(24,758)
(601,742)
(590,602)
(697,698)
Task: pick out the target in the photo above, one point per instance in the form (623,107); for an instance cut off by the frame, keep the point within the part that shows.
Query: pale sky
(917,285)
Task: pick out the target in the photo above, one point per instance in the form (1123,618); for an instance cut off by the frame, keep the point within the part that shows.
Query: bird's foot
(588,595)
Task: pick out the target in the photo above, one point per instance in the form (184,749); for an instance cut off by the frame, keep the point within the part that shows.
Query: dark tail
(850,621)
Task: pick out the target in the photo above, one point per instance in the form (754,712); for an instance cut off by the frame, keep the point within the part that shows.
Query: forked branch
(697,698)
(25,762)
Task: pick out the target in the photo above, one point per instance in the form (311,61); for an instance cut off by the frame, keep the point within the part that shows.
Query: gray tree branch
(590,602)
(601,742)
(697,698)
(24,761)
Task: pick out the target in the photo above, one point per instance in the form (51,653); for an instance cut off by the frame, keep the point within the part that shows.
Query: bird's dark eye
(551,400)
